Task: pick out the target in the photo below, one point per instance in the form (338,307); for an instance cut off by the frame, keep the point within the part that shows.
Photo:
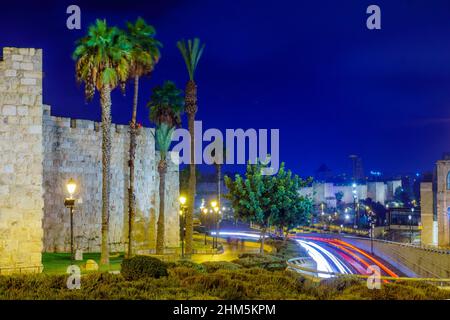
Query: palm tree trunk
(191,110)
(219,180)
(105,101)
(131,196)
(162,169)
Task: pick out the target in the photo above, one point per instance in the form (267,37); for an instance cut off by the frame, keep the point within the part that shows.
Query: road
(330,254)
(334,255)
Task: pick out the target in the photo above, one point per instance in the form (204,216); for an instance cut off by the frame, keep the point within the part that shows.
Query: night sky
(310,68)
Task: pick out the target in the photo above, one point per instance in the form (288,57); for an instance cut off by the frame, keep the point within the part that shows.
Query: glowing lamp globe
(71,187)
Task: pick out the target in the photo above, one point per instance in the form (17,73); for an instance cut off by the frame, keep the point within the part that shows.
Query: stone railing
(412,260)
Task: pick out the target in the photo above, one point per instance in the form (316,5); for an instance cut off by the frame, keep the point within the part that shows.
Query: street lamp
(205,212)
(355,205)
(70,203)
(216,223)
(183,222)
(372,221)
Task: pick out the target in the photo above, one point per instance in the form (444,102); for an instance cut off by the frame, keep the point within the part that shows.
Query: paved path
(231,252)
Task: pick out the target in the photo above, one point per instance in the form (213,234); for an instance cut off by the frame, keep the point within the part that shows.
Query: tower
(435,205)
(442,198)
(21,160)
(357,167)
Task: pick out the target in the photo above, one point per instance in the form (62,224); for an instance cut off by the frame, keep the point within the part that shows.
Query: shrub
(189,264)
(142,267)
(182,272)
(213,266)
(265,261)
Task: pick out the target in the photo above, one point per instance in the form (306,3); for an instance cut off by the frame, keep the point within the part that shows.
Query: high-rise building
(357,167)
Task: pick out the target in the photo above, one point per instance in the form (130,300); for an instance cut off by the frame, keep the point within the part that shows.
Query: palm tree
(144,56)
(191,52)
(166,105)
(102,63)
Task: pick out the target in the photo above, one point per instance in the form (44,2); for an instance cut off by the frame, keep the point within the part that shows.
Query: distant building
(325,192)
(207,192)
(357,167)
(435,204)
(323,173)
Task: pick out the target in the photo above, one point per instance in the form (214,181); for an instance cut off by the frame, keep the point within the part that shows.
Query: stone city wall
(73,149)
(39,153)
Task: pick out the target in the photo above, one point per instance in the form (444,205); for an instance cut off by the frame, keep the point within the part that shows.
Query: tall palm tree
(102,63)
(166,105)
(144,56)
(191,52)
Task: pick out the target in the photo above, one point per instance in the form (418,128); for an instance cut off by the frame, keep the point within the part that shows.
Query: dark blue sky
(310,68)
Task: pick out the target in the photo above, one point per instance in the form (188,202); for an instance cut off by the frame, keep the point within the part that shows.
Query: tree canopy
(145,52)
(166,105)
(102,58)
(269,200)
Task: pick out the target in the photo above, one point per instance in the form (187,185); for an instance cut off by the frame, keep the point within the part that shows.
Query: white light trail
(341,267)
(319,259)
(239,234)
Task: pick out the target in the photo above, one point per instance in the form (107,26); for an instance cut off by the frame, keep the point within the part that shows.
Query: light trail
(341,267)
(319,259)
(377,262)
(238,234)
(349,248)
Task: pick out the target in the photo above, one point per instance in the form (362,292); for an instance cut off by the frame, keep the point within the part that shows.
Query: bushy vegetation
(252,276)
(186,283)
(264,261)
(213,266)
(140,267)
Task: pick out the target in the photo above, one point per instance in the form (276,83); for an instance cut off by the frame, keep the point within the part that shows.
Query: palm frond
(166,104)
(191,52)
(145,52)
(102,58)
(163,139)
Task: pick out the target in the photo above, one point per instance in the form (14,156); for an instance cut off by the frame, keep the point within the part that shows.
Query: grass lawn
(57,263)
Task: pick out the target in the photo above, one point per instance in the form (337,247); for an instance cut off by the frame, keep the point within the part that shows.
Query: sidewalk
(231,251)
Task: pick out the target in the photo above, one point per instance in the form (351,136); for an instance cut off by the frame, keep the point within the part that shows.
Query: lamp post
(205,212)
(215,209)
(371,218)
(410,225)
(70,203)
(183,222)
(355,205)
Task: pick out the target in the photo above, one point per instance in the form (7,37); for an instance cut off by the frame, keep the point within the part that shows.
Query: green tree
(166,105)
(144,56)
(293,208)
(102,63)
(402,196)
(191,52)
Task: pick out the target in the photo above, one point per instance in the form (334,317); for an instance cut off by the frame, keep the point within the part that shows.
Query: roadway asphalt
(335,255)
(330,254)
